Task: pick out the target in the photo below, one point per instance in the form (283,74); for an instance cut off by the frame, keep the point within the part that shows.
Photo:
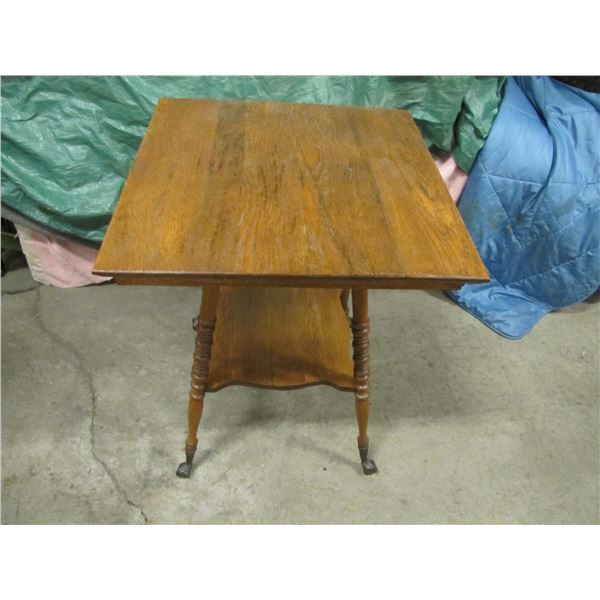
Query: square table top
(265,193)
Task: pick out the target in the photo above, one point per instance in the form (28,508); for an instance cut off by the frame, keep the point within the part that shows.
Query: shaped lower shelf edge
(280,338)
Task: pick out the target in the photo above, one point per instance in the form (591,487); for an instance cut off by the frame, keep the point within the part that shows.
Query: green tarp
(68,142)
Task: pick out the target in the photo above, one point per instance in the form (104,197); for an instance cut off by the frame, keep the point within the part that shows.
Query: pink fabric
(63,263)
(57,261)
(453,175)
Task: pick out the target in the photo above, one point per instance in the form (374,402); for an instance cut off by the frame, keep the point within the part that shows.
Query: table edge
(318,281)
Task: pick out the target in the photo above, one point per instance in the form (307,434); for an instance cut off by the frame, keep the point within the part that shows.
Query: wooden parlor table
(280,212)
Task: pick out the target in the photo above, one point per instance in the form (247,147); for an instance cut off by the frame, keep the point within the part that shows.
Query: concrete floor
(466,427)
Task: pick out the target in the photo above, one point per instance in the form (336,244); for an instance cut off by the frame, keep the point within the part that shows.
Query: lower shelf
(280,338)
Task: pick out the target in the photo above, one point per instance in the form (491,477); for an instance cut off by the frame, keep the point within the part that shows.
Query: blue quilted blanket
(532,205)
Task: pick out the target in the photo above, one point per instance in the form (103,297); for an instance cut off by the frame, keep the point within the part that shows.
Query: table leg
(205,327)
(360,344)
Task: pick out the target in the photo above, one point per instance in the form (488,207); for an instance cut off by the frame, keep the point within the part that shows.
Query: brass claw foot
(369,467)
(184,470)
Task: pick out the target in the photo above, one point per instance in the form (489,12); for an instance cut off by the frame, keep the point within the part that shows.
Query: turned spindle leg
(360,344)
(205,326)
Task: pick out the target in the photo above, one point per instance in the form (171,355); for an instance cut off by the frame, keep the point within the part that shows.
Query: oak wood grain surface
(229,192)
(280,338)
